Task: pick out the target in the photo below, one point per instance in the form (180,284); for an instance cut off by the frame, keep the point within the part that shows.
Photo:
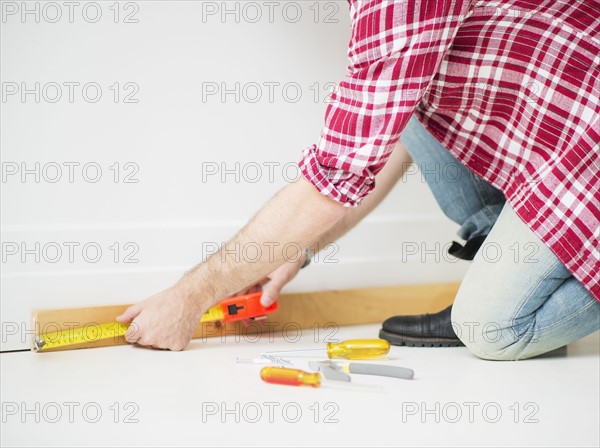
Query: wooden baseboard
(325,309)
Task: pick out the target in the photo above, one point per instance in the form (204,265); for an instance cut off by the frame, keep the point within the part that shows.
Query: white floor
(201,397)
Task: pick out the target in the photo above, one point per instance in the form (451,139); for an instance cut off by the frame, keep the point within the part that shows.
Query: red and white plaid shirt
(509,87)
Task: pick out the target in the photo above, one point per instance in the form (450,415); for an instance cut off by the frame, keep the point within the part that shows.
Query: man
(511,90)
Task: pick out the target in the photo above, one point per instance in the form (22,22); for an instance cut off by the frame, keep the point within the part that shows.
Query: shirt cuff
(342,186)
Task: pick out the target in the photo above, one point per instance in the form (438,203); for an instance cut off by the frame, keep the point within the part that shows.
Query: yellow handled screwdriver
(350,349)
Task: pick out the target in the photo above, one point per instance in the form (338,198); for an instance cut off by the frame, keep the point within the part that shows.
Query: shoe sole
(398,339)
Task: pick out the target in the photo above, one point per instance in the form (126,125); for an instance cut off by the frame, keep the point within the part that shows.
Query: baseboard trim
(322,310)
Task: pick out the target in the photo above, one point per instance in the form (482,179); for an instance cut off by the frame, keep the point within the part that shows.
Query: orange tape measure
(243,307)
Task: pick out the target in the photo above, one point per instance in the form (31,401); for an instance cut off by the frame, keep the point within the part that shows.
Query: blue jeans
(517,299)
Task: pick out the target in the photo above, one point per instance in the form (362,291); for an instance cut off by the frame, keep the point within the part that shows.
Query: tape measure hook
(38,343)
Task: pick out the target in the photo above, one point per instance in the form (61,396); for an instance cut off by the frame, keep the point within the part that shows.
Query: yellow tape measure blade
(95,332)
(71,336)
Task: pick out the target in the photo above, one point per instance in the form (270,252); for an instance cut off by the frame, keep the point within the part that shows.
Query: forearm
(394,169)
(292,220)
(297,217)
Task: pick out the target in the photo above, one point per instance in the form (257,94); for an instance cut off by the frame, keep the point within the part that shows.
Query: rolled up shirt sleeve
(395,50)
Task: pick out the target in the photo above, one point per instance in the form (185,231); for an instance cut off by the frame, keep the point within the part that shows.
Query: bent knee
(488,338)
(493,352)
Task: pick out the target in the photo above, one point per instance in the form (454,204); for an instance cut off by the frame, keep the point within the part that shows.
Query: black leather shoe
(423,330)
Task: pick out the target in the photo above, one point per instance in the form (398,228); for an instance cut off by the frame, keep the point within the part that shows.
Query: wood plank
(326,309)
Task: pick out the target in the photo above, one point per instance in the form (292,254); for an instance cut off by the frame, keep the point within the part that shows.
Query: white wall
(173,52)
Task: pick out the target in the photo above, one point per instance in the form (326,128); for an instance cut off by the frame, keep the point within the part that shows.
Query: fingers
(263,282)
(133,335)
(129,314)
(271,291)
(163,321)
(240,293)
(257,287)
(267,300)
(140,338)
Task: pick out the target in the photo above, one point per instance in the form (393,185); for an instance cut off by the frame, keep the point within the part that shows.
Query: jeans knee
(492,352)
(497,341)
(483,337)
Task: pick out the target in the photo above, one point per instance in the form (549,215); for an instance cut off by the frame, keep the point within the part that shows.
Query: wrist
(192,293)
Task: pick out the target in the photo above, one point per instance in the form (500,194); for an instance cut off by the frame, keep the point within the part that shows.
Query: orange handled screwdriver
(351,349)
(290,377)
(297,377)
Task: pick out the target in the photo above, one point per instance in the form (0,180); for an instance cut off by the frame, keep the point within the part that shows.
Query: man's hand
(166,320)
(278,279)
